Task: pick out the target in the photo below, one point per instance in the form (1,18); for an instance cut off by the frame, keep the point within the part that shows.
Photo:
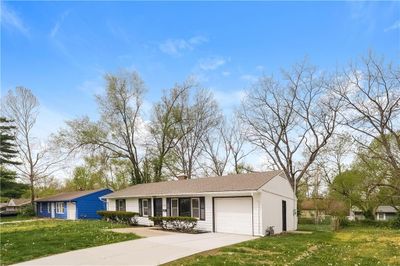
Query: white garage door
(233,215)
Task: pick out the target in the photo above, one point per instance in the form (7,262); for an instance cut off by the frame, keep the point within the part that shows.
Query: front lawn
(16,218)
(29,240)
(350,246)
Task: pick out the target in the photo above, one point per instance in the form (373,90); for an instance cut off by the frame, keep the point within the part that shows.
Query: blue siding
(87,206)
(45,213)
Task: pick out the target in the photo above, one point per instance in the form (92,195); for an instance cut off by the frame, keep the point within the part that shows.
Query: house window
(185,207)
(174,207)
(195,207)
(120,205)
(60,207)
(381,216)
(48,207)
(40,207)
(145,204)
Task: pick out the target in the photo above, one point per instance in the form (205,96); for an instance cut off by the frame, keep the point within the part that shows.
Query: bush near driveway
(119,216)
(181,224)
(29,240)
(368,246)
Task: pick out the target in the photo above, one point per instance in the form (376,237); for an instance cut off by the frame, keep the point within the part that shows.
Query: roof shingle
(67,196)
(239,182)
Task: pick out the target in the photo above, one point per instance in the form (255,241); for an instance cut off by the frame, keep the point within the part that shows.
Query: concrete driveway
(145,251)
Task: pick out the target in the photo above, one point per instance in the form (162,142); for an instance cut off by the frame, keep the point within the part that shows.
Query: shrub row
(327,220)
(394,223)
(181,224)
(119,216)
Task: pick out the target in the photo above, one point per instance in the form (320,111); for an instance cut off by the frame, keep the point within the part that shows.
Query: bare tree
(120,129)
(291,118)
(217,150)
(37,161)
(371,92)
(237,146)
(165,126)
(200,115)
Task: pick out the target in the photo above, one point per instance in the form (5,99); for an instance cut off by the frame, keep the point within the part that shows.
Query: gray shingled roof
(240,182)
(386,209)
(67,196)
(19,202)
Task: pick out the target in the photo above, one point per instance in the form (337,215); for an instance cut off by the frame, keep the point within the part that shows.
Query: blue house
(73,205)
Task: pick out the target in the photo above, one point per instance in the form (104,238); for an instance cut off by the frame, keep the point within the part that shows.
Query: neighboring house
(73,205)
(382,213)
(239,204)
(313,208)
(3,206)
(319,208)
(16,205)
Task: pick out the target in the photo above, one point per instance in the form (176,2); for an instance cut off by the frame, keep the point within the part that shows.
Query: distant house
(16,205)
(239,204)
(319,208)
(382,213)
(73,205)
(3,206)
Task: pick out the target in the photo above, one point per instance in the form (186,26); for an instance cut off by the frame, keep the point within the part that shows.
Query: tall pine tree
(8,156)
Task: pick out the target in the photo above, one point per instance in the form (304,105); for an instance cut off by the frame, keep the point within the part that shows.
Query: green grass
(29,240)
(350,246)
(16,218)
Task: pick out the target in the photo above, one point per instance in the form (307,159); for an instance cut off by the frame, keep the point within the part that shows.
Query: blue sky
(61,50)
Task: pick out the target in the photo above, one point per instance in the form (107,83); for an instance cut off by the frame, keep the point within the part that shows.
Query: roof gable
(239,182)
(18,202)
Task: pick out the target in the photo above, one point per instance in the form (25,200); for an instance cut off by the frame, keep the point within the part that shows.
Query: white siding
(207,224)
(111,205)
(132,205)
(257,212)
(272,194)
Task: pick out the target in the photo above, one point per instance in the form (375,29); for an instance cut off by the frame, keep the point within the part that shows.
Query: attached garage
(233,215)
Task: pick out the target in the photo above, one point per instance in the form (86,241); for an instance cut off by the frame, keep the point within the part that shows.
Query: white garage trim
(251,212)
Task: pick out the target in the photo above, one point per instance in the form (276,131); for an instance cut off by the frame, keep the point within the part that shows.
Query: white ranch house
(240,204)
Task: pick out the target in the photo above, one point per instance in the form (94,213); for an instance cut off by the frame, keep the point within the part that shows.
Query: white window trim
(147,208)
(48,207)
(40,207)
(60,207)
(198,207)
(177,207)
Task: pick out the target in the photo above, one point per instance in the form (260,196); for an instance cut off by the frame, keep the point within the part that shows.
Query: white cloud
(228,100)
(92,87)
(176,47)
(58,23)
(211,63)
(248,77)
(10,19)
(260,68)
(395,26)
(226,73)
(48,122)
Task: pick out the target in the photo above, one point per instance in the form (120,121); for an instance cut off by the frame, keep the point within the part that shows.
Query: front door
(284,215)
(158,210)
(53,210)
